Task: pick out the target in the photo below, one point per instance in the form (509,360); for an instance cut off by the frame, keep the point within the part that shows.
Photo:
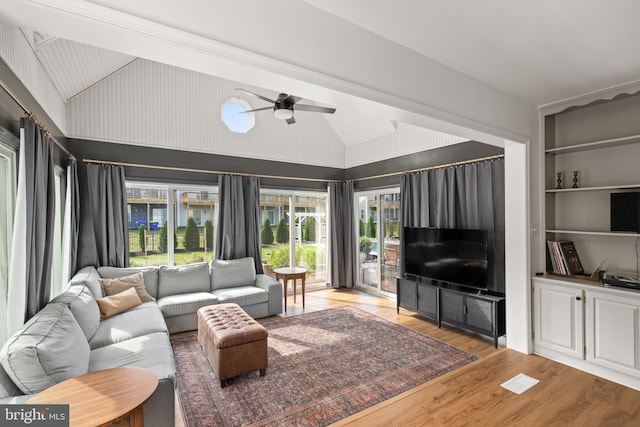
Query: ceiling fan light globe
(283,113)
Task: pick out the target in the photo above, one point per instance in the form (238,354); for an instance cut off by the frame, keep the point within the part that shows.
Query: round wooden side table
(291,273)
(103,398)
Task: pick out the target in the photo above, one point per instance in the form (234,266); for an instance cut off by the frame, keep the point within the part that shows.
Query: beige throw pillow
(115,286)
(118,303)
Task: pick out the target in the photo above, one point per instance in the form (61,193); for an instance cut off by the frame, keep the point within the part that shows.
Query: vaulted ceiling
(528,53)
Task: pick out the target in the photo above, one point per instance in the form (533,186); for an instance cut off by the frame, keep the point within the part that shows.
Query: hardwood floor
(472,395)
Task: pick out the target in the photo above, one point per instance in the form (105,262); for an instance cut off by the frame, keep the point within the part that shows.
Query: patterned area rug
(323,366)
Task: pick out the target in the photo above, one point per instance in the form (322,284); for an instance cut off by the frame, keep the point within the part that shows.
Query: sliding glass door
(294,240)
(379,231)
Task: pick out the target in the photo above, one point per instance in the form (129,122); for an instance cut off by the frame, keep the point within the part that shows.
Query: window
(190,212)
(234,116)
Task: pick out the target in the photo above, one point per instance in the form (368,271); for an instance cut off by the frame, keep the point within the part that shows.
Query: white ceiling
(537,52)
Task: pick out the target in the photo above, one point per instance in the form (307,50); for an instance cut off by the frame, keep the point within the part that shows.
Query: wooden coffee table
(291,273)
(103,398)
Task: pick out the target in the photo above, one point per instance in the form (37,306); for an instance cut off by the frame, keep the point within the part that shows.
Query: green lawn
(180,258)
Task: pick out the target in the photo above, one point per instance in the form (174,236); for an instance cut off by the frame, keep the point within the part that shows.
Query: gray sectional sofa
(68,338)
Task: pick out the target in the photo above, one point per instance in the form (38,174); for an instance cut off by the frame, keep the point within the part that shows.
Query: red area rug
(323,366)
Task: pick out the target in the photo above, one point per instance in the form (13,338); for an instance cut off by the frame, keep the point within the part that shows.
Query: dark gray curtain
(343,245)
(465,196)
(73,193)
(104,227)
(239,218)
(40,214)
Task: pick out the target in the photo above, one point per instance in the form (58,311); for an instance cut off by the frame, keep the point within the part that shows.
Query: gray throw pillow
(49,349)
(183,279)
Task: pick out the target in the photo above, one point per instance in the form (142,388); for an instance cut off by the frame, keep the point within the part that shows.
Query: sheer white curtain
(7,193)
(17,292)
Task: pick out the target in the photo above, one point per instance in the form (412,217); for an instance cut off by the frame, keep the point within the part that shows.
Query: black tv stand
(465,308)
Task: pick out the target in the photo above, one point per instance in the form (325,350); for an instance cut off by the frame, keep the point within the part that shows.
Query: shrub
(267,232)
(208,233)
(279,257)
(371,228)
(365,245)
(306,256)
(191,235)
(164,240)
(309,232)
(361,227)
(282,232)
(141,237)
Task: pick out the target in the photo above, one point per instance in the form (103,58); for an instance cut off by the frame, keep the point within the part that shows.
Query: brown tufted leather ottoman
(233,342)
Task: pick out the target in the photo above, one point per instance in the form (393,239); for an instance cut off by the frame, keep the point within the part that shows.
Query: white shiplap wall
(157,105)
(17,53)
(406,140)
(74,67)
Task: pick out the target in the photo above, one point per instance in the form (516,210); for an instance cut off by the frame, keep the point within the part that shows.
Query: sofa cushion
(175,305)
(83,306)
(88,276)
(232,273)
(115,286)
(7,387)
(183,279)
(150,275)
(141,320)
(242,295)
(49,349)
(151,351)
(118,303)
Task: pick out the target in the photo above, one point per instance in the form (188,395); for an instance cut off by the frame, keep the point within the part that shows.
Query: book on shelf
(564,257)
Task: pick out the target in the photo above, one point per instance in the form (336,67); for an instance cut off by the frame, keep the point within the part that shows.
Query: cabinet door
(613,331)
(452,307)
(479,314)
(428,300)
(408,294)
(558,318)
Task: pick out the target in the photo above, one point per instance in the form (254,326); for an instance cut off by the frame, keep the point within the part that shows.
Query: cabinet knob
(578,298)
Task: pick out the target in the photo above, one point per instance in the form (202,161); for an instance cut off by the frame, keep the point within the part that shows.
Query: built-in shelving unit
(579,322)
(601,141)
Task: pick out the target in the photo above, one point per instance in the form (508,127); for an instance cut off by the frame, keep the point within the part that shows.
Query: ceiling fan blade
(257,95)
(256,109)
(291,99)
(314,108)
(291,121)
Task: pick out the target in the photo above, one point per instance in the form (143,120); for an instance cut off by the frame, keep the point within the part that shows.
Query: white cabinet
(588,326)
(613,331)
(558,318)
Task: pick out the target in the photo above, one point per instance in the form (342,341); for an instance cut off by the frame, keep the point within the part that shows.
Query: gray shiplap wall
(104,151)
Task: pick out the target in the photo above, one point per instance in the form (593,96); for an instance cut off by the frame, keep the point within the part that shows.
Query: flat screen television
(452,255)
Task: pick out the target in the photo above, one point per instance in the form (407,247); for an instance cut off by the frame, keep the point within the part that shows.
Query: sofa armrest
(274,288)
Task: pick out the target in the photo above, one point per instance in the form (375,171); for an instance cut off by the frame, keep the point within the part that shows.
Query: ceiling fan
(285,104)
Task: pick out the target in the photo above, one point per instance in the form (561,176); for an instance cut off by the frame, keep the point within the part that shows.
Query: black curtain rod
(34,118)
